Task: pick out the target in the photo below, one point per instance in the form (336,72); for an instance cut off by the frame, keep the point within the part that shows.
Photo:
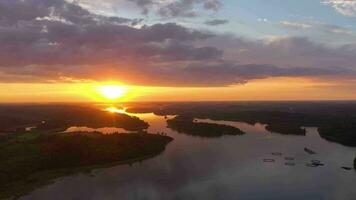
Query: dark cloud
(53,40)
(64,33)
(209,74)
(286,52)
(216,22)
(214,5)
(144,5)
(179,8)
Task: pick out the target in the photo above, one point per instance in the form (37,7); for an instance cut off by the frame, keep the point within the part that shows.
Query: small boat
(346,168)
(315,161)
(311,165)
(268,160)
(289,164)
(309,151)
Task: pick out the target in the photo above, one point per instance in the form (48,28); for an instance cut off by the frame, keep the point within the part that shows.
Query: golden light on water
(115,110)
(112,92)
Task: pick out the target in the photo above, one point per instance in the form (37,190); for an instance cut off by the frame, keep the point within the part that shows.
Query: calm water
(229,167)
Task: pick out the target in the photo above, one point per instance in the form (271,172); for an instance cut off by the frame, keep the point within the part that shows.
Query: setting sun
(112,92)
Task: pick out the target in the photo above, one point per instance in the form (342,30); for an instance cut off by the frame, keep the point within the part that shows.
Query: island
(186,124)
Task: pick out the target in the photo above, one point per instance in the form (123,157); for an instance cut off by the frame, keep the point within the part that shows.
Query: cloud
(43,39)
(295,25)
(166,8)
(287,52)
(216,22)
(335,29)
(344,7)
(214,5)
(319,26)
(227,73)
(58,40)
(186,8)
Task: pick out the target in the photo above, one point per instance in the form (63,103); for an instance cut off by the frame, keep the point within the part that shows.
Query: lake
(228,167)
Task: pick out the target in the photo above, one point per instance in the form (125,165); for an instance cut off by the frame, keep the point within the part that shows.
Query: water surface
(229,167)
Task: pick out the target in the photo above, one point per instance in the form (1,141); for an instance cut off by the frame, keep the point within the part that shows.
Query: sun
(112,92)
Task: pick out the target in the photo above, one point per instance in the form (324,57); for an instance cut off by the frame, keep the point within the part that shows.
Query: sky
(178,50)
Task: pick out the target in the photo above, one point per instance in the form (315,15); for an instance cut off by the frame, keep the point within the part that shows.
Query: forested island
(186,124)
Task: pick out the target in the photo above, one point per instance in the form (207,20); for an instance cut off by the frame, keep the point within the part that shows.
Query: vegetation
(342,132)
(59,117)
(31,159)
(276,121)
(336,128)
(288,129)
(28,160)
(185,124)
(335,120)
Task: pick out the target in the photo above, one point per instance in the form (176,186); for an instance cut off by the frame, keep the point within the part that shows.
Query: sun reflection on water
(114,109)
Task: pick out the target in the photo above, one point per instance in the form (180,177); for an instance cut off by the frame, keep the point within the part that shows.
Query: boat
(309,151)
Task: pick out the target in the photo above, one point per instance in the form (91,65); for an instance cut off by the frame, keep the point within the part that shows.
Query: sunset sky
(177,50)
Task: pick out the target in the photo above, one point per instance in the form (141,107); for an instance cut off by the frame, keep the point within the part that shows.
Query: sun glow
(112,92)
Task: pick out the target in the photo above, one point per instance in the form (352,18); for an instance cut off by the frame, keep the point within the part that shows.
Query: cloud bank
(57,40)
